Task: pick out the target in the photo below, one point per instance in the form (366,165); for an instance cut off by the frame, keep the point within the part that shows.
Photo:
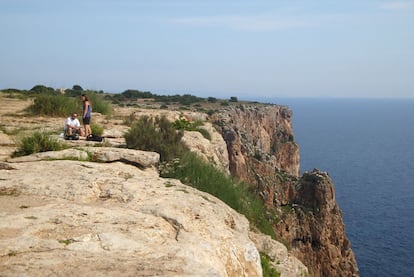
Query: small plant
(38,142)
(66,241)
(12,254)
(97,129)
(168,184)
(268,270)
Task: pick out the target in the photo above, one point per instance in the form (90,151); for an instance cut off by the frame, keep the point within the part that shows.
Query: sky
(240,48)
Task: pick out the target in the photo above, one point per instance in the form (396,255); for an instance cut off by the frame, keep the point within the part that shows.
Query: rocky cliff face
(262,151)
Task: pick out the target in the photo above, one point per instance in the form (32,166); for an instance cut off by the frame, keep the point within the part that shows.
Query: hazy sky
(211,48)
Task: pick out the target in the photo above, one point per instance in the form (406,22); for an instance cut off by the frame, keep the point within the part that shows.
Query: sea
(367,148)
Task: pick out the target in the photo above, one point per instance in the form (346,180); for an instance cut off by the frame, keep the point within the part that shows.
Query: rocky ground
(61,216)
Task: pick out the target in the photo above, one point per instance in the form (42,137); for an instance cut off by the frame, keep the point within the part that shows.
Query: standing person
(86,115)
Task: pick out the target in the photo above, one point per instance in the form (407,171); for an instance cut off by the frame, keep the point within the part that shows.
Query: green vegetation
(155,134)
(66,241)
(233,99)
(97,129)
(178,162)
(53,105)
(37,142)
(185,99)
(268,270)
(184,124)
(99,104)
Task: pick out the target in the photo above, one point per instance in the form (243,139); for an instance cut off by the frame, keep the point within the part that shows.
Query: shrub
(184,124)
(155,134)
(38,142)
(97,129)
(128,121)
(53,105)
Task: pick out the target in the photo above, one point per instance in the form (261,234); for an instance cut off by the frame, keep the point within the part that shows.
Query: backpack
(72,137)
(94,138)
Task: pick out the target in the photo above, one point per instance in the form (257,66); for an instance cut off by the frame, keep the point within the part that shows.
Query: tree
(41,89)
(77,88)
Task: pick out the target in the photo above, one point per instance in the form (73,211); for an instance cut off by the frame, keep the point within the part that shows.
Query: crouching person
(72,127)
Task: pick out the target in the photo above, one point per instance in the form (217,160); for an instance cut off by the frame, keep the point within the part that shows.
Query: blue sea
(367,147)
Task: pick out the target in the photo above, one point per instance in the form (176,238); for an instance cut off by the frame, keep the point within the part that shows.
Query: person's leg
(86,123)
(88,127)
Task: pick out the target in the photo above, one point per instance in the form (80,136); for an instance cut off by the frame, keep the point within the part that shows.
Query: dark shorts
(86,120)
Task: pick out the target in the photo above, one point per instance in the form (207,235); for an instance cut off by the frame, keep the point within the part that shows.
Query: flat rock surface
(97,219)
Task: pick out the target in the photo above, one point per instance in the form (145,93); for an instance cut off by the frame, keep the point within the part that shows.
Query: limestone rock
(96,219)
(5,139)
(214,150)
(143,159)
(263,153)
(315,227)
(259,133)
(286,264)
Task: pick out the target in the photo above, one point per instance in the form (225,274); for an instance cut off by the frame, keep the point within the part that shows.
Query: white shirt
(72,122)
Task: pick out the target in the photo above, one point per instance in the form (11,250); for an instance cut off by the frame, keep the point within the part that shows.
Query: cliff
(262,151)
(100,210)
(121,213)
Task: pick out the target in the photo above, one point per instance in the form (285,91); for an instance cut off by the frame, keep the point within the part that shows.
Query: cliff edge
(262,151)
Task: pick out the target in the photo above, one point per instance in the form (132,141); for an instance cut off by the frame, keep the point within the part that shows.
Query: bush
(184,124)
(53,105)
(155,134)
(97,129)
(38,142)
